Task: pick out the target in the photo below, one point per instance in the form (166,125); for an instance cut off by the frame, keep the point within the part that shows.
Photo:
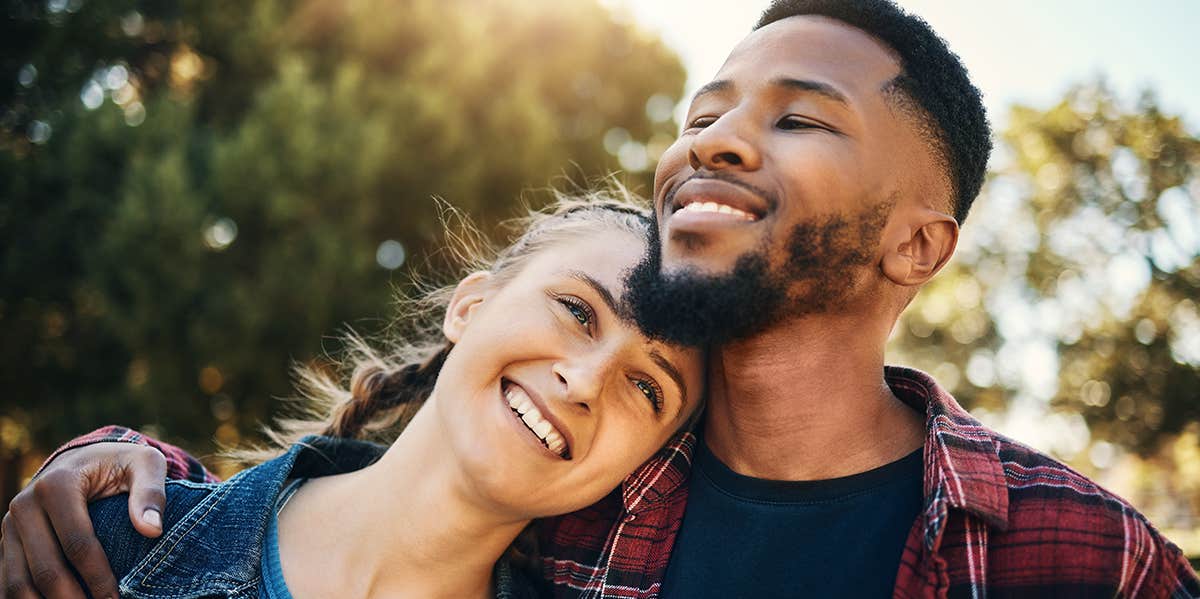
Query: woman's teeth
(717,208)
(532,417)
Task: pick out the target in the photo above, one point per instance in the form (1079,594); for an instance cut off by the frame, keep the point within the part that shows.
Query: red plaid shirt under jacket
(1000,520)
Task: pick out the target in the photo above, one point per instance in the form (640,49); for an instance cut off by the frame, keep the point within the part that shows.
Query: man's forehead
(812,47)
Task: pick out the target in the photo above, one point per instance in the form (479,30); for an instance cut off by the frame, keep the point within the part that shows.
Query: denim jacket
(213,533)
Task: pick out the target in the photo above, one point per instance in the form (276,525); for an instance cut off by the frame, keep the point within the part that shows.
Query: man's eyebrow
(712,87)
(808,85)
(599,288)
(817,87)
(672,372)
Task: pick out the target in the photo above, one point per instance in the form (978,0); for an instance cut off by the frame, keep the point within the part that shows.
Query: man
(818,183)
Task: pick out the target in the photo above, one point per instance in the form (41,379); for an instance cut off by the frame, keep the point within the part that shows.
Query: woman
(537,399)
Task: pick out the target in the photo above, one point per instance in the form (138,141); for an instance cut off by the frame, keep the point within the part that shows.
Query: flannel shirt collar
(661,476)
(962,463)
(962,460)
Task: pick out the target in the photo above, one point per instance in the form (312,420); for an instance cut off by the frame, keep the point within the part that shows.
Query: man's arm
(48,526)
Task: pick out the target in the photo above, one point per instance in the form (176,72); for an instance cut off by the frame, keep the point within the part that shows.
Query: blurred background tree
(1070,310)
(196,192)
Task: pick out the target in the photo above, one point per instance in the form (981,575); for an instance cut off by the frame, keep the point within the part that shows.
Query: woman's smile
(536,418)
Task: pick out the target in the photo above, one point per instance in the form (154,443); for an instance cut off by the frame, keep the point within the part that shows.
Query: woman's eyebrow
(600,290)
(672,372)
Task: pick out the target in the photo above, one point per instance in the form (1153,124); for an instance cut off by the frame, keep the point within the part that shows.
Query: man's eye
(652,392)
(791,123)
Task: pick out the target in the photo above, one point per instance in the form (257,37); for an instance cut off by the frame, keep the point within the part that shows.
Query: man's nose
(725,144)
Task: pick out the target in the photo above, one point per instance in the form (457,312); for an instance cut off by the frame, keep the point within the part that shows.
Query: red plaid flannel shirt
(1000,520)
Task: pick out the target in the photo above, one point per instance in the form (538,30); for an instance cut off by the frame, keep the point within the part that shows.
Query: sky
(1027,51)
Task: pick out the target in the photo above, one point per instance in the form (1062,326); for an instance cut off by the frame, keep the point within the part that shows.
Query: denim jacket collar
(216,547)
(235,515)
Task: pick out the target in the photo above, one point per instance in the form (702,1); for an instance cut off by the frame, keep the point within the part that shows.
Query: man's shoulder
(1036,481)
(1042,486)
(1062,524)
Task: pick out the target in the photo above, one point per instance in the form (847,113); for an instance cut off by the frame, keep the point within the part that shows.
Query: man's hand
(48,526)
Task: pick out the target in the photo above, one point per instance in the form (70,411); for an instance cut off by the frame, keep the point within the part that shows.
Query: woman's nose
(581,379)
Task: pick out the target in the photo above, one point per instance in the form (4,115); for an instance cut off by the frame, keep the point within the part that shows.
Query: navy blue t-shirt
(750,537)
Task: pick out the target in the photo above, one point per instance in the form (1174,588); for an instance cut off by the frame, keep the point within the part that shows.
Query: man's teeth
(717,208)
(532,417)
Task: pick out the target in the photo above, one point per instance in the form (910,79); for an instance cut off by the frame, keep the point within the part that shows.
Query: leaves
(1084,251)
(216,179)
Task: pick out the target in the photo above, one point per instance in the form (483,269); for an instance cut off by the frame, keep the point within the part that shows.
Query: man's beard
(824,259)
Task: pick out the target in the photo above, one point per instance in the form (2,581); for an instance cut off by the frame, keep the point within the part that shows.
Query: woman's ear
(918,249)
(468,295)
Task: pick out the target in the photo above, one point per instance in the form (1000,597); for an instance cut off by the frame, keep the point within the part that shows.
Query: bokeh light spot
(221,234)
(116,77)
(1095,393)
(92,95)
(615,138)
(1102,454)
(27,76)
(980,369)
(659,108)
(137,373)
(633,157)
(135,114)
(39,132)
(1145,331)
(211,380)
(223,408)
(132,24)
(390,254)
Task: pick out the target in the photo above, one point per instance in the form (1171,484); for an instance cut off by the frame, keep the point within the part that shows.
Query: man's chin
(702,262)
(695,302)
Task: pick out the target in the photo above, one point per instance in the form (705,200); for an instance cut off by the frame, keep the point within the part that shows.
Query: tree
(196,192)
(1073,297)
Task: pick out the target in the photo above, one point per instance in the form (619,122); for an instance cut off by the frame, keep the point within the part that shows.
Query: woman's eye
(651,391)
(579,310)
(701,122)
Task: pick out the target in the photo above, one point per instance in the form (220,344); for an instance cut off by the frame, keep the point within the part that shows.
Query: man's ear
(468,295)
(919,248)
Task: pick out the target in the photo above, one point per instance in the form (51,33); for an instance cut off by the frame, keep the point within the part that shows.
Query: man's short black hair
(932,80)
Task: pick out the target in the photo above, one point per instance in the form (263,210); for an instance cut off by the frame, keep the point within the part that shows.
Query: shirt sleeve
(180,464)
(1156,567)
(1181,577)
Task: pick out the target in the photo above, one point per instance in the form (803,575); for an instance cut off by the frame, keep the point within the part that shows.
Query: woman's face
(551,395)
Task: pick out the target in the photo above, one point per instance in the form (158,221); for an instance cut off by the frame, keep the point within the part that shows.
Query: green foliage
(1077,280)
(168,250)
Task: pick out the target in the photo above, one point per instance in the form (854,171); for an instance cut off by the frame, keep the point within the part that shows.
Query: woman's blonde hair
(386,385)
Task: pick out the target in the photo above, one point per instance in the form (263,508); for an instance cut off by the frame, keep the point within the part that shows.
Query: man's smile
(700,203)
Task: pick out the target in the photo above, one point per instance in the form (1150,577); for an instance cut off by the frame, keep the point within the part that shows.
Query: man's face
(771,202)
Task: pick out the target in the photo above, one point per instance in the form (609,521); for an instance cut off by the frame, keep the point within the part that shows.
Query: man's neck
(403,527)
(807,400)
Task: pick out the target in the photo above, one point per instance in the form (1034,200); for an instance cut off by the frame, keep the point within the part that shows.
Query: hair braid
(375,389)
